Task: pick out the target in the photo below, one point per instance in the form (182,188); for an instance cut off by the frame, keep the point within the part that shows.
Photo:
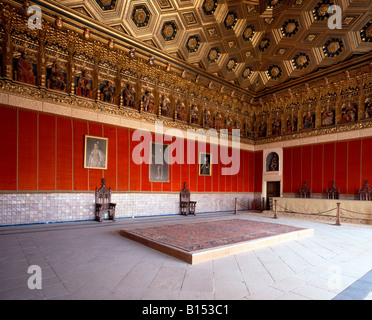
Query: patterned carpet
(205,235)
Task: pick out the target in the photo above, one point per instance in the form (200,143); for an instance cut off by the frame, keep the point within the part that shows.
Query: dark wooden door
(272,190)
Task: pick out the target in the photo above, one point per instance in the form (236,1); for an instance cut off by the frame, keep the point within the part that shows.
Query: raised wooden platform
(202,241)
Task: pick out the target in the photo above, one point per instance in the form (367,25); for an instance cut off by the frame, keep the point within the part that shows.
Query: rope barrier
(322,213)
(366,214)
(338,213)
(311,213)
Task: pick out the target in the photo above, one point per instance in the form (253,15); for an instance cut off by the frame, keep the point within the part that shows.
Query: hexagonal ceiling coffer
(274,72)
(290,27)
(274,3)
(231,64)
(141,16)
(247,73)
(366,33)
(248,32)
(231,20)
(264,44)
(107,4)
(301,61)
(320,11)
(193,43)
(333,47)
(213,54)
(209,7)
(169,30)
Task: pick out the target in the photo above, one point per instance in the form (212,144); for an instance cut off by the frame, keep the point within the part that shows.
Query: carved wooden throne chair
(365,193)
(186,206)
(103,202)
(304,191)
(333,192)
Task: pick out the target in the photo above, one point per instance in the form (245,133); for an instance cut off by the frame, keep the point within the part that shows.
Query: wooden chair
(304,191)
(365,194)
(103,202)
(333,192)
(186,206)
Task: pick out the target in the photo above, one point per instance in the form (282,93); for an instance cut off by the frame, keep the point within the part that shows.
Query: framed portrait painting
(159,162)
(95,152)
(205,164)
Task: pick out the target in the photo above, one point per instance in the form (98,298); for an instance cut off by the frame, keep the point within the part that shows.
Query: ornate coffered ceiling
(256,44)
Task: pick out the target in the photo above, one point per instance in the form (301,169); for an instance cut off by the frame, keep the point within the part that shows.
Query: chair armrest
(112,205)
(98,206)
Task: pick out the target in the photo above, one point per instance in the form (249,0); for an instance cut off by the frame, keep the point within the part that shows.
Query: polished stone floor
(89,260)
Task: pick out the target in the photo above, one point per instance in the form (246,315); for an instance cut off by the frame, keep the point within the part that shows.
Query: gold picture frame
(205,164)
(95,152)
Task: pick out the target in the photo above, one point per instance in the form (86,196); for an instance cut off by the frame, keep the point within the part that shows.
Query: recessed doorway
(272,191)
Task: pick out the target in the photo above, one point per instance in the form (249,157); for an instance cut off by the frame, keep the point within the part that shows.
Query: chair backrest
(304,191)
(365,193)
(185,194)
(103,194)
(333,192)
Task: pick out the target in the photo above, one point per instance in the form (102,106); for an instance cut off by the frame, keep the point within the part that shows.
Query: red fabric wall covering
(306,164)
(317,166)
(123,159)
(354,166)
(80,174)
(110,174)
(341,166)
(287,170)
(47,152)
(8,163)
(345,162)
(296,168)
(258,171)
(64,164)
(329,165)
(50,157)
(27,150)
(135,168)
(366,160)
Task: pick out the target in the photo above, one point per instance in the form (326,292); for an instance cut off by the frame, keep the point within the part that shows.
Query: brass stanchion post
(275,209)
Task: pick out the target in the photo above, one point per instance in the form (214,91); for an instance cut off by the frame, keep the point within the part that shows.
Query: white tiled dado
(33,208)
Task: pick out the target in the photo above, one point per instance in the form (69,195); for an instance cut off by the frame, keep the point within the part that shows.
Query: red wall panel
(135,169)
(287,170)
(8,164)
(316,185)
(366,160)
(251,172)
(328,165)
(185,168)
(47,152)
(51,157)
(64,154)
(27,150)
(306,166)
(258,171)
(124,155)
(80,129)
(341,166)
(296,169)
(354,166)
(110,173)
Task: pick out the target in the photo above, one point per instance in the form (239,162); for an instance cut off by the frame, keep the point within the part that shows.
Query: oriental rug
(187,239)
